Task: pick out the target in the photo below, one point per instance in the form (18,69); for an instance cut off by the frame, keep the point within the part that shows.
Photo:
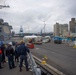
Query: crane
(4,5)
(45,23)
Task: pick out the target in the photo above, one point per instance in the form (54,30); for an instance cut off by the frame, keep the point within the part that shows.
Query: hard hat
(10,43)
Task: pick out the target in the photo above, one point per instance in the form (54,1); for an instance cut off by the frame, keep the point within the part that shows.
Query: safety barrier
(33,65)
(47,69)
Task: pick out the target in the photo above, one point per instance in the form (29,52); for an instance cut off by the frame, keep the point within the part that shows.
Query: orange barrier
(31,46)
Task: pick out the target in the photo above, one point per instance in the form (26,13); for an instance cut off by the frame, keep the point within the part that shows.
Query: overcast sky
(31,14)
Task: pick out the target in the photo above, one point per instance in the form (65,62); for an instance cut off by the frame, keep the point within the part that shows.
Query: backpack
(0,51)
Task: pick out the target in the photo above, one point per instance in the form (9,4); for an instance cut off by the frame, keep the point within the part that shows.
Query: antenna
(21,31)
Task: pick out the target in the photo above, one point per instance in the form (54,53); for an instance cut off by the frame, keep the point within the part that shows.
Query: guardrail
(49,70)
(33,65)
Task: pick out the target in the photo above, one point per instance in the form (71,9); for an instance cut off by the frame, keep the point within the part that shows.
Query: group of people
(18,54)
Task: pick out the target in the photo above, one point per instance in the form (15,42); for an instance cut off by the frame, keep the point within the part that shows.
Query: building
(60,29)
(63,30)
(72,25)
(5,31)
(56,29)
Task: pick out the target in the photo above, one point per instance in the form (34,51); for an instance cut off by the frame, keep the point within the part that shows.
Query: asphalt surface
(60,56)
(15,71)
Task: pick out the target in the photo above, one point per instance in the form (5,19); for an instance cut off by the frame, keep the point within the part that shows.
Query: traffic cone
(45,57)
(43,61)
(74,46)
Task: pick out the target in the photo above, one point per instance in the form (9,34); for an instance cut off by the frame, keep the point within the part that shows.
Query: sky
(32,15)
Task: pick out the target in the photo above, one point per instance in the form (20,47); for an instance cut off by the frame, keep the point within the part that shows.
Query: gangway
(14,71)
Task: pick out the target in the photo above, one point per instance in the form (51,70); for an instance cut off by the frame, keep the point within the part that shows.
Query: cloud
(31,13)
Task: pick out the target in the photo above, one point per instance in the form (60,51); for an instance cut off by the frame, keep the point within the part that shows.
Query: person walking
(10,55)
(23,50)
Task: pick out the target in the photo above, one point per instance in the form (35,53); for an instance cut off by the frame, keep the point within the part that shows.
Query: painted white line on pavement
(52,52)
(37,48)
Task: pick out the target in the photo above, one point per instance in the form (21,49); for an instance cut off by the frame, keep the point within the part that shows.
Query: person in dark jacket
(16,54)
(10,55)
(0,58)
(23,50)
(3,52)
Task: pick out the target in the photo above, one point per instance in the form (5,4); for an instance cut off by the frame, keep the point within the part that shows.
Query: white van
(46,39)
(35,39)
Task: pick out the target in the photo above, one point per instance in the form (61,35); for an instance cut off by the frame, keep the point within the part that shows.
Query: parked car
(57,40)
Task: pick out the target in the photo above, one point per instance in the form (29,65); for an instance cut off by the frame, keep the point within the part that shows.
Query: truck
(57,40)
